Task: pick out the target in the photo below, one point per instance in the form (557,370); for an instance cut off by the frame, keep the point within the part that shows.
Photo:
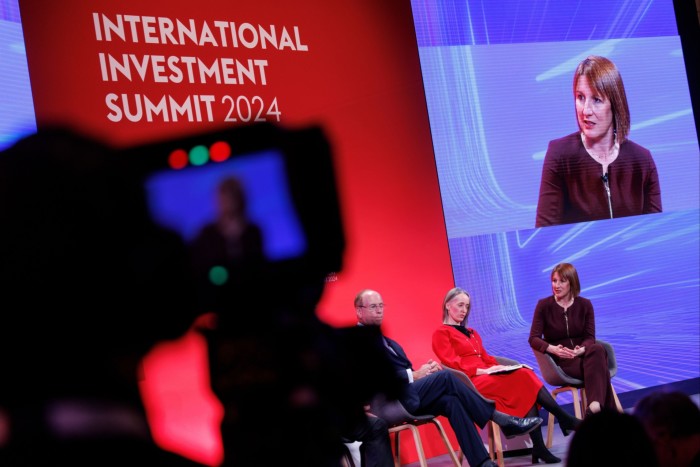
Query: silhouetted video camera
(289,232)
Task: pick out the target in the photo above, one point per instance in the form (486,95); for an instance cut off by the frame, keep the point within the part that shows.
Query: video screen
(246,192)
(498,80)
(16,106)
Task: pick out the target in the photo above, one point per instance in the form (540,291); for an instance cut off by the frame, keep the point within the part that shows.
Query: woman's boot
(567,422)
(539,450)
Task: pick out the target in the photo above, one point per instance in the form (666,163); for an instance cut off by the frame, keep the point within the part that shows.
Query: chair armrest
(612,361)
(393,412)
(552,373)
(506,361)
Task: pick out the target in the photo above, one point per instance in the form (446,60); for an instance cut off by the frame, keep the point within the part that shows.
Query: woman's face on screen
(593,111)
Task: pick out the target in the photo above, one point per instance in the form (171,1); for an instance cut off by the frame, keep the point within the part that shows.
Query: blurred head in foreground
(89,282)
(609,439)
(672,421)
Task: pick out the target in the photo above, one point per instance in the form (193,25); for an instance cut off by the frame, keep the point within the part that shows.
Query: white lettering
(149,30)
(96,24)
(174,69)
(138,107)
(166,31)
(217,33)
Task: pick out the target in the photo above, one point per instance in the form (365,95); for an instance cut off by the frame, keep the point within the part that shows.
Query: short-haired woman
(596,172)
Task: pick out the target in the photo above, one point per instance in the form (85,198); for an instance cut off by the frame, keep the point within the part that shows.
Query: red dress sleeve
(443,349)
(454,350)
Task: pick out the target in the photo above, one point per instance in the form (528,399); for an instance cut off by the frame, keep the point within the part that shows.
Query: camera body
(288,194)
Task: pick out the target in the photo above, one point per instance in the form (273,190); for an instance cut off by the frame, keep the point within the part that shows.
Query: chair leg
(617,401)
(579,401)
(397,453)
(495,444)
(577,409)
(453,455)
(550,430)
(419,446)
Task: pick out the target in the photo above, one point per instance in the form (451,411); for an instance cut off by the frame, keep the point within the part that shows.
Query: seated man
(429,390)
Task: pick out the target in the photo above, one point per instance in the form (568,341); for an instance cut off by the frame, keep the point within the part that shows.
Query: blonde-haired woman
(517,392)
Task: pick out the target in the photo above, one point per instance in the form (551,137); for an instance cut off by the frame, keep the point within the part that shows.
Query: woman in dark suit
(564,326)
(597,173)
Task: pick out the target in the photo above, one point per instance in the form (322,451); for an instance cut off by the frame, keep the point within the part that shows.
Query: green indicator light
(199,155)
(218,275)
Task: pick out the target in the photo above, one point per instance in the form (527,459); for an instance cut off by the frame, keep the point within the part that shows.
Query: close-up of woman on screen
(596,172)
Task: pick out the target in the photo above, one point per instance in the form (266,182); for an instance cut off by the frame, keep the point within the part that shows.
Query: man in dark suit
(429,390)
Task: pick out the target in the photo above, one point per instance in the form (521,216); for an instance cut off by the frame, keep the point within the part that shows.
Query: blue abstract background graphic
(16,107)
(641,274)
(498,81)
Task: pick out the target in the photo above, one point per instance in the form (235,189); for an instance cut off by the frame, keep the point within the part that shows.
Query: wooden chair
(493,430)
(399,419)
(555,376)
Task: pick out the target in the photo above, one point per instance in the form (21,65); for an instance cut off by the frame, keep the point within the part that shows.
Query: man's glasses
(374,306)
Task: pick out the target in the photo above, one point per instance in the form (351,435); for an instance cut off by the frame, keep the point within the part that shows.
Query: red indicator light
(220,151)
(178,159)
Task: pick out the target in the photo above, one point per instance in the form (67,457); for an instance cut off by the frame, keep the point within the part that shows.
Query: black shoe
(488,463)
(569,426)
(545,455)
(519,426)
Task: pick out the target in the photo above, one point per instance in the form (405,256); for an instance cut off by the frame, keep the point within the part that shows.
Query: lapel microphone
(605,180)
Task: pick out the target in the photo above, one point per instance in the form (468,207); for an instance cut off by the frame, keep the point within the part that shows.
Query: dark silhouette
(90,284)
(231,241)
(375,450)
(610,439)
(672,421)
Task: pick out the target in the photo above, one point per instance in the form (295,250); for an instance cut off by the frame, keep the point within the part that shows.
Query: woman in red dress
(516,392)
